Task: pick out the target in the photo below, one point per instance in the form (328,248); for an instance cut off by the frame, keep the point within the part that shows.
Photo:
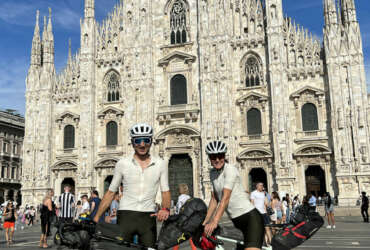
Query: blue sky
(17,19)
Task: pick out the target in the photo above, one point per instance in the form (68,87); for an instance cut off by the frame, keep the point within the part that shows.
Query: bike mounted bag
(108,237)
(72,237)
(294,235)
(179,228)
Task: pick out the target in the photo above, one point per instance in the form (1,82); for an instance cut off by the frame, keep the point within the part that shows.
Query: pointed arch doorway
(180,170)
(255,176)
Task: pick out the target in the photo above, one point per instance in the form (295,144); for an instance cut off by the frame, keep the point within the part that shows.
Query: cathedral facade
(293,111)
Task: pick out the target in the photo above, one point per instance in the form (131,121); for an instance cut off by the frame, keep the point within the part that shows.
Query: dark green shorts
(138,223)
(252,226)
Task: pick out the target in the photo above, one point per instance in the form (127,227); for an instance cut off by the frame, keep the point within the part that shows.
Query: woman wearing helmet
(228,195)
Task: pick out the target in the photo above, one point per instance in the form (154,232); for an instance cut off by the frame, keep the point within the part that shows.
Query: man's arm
(104,204)
(166,195)
(109,195)
(211,209)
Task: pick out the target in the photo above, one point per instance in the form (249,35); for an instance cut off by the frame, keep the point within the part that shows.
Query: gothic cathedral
(293,111)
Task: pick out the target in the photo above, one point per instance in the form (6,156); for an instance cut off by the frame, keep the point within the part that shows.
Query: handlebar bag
(179,228)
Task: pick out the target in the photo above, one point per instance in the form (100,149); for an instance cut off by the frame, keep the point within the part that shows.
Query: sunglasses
(138,141)
(213,157)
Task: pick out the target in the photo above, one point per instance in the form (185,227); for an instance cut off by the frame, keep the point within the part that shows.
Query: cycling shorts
(252,226)
(138,223)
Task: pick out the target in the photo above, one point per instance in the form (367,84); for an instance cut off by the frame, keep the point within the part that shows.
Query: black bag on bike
(107,237)
(304,225)
(179,228)
(72,236)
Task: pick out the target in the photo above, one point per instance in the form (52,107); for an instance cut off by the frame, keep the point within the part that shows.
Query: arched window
(69,137)
(254,122)
(178,90)
(112,135)
(309,117)
(178,22)
(252,72)
(113,93)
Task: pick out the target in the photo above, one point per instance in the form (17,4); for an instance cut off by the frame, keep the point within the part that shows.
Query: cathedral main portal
(180,170)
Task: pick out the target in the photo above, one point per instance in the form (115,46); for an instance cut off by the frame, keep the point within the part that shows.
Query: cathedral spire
(50,28)
(348,11)
(69,51)
(330,12)
(36,43)
(89,9)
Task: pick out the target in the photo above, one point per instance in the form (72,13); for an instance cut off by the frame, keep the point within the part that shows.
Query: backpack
(179,228)
(303,225)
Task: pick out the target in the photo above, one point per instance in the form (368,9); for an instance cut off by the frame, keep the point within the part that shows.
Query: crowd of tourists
(130,200)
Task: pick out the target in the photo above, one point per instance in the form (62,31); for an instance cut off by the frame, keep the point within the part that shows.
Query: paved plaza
(351,233)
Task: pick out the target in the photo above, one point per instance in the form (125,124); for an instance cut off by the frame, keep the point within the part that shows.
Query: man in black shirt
(365,207)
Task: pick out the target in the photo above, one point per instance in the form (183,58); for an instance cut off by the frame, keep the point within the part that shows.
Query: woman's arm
(210,227)
(211,208)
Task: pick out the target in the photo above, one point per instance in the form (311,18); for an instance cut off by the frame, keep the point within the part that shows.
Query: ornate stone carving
(67,118)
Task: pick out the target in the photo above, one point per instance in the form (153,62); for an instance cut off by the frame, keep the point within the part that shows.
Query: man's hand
(96,219)
(162,215)
(210,227)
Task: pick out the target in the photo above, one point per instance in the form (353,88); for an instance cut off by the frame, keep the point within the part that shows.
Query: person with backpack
(365,207)
(329,210)
(228,196)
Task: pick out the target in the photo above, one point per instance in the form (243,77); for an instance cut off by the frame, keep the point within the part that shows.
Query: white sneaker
(333,227)
(328,227)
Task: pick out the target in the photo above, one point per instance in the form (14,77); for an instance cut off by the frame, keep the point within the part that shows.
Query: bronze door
(180,169)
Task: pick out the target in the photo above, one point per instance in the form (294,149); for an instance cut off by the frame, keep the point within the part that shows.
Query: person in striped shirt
(66,205)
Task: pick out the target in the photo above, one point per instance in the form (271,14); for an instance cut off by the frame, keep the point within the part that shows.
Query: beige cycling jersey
(140,186)
(229,178)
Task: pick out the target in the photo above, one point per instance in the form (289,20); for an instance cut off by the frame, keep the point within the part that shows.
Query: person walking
(46,215)
(260,200)
(141,174)
(32,214)
(9,222)
(365,207)
(312,201)
(183,197)
(66,205)
(329,210)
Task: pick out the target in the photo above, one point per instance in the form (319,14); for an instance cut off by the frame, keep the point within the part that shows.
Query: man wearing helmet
(141,175)
(228,195)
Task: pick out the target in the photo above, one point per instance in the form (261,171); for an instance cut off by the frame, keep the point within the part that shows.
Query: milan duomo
(294,111)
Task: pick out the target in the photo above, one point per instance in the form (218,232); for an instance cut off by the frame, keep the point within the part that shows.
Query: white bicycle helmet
(141,130)
(216,147)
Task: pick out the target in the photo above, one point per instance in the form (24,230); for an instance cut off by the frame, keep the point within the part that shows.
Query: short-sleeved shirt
(140,186)
(258,199)
(312,201)
(228,178)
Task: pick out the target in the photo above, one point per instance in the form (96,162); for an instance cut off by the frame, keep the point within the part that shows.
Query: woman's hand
(210,227)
